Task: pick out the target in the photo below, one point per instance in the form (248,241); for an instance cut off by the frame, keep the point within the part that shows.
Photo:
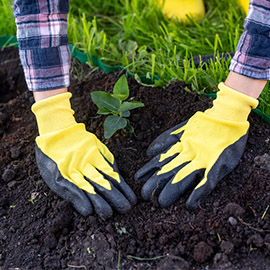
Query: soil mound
(38,230)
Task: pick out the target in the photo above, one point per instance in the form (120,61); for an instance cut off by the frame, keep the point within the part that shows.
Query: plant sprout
(115,105)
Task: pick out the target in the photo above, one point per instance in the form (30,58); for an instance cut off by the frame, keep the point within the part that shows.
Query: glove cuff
(232,105)
(54,113)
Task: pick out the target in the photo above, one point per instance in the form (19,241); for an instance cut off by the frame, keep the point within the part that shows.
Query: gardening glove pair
(75,164)
(198,153)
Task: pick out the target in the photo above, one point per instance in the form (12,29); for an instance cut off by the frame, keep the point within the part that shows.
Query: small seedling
(34,195)
(115,105)
(264,213)
(31,201)
(219,238)
(119,260)
(122,230)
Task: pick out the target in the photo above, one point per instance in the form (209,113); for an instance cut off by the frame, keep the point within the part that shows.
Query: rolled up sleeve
(252,57)
(43,42)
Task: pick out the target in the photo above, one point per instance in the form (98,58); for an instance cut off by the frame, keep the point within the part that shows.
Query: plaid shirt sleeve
(252,57)
(43,42)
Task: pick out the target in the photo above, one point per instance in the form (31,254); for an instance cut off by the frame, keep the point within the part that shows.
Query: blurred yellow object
(181,8)
(244,4)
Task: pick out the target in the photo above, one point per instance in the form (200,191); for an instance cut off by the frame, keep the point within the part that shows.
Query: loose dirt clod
(256,240)
(8,175)
(227,247)
(234,210)
(232,221)
(202,252)
(263,161)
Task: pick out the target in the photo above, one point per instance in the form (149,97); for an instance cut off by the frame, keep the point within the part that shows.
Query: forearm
(39,95)
(245,85)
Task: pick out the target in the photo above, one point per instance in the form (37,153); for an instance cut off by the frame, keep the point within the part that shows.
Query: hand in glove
(199,152)
(75,164)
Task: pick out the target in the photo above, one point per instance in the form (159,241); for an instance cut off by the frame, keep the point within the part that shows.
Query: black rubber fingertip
(150,168)
(145,195)
(144,176)
(133,200)
(113,196)
(166,199)
(198,196)
(164,141)
(191,205)
(148,192)
(164,204)
(128,193)
(102,208)
(125,189)
(125,209)
(154,149)
(122,205)
(159,146)
(84,209)
(155,185)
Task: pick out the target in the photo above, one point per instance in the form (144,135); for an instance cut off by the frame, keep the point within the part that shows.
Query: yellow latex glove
(199,152)
(75,164)
(244,4)
(181,8)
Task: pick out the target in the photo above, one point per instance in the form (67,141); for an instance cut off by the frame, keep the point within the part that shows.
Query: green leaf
(126,106)
(132,46)
(130,128)
(120,89)
(129,47)
(112,124)
(106,101)
(125,114)
(103,111)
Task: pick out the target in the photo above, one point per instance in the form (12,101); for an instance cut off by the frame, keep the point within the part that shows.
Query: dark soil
(38,230)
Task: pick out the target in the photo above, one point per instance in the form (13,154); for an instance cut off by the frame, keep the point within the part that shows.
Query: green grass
(137,35)
(7,23)
(265,100)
